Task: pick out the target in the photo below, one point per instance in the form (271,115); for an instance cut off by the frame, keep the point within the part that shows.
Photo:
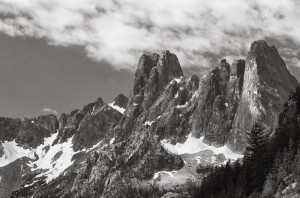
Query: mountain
(267,84)
(151,142)
(271,166)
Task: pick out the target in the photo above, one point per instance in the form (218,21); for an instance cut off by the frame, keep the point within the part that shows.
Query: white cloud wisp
(119,31)
(49,110)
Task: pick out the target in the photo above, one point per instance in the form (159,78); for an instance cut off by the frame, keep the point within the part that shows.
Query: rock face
(89,124)
(211,114)
(229,101)
(121,101)
(28,132)
(9,128)
(93,127)
(117,154)
(267,84)
(48,122)
(153,73)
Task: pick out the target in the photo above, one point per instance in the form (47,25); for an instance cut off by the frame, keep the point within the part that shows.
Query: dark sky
(35,75)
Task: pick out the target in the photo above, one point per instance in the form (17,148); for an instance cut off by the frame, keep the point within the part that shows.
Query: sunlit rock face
(267,84)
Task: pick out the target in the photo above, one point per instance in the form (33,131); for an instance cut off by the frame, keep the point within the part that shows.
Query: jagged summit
(169,125)
(165,66)
(121,101)
(267,84)
(153,73)
(270,66)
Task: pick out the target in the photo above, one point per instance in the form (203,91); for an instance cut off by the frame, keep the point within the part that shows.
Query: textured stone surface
(31,135)
(267,84)
(69,124)
(121,101)
(213,108)
(93,127)
(9,128)
(48,122)
(28,132)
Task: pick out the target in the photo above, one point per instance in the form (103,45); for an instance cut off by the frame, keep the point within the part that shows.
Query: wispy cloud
(112,81)
(49,110)
(119,31)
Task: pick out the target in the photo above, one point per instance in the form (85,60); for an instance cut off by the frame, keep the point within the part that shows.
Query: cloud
(49,110)
(198,31)
(112,81)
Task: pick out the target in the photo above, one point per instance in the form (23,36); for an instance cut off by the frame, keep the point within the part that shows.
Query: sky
(58,55)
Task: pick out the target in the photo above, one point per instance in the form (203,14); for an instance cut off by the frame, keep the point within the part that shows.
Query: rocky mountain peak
(121,101)
(48,122)
(265,61)
(145,64)
(267,84)
(168,68)
(137,139)
(153,73)
(166,64)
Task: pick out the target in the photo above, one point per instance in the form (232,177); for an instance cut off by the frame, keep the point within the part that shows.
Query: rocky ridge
(165,112)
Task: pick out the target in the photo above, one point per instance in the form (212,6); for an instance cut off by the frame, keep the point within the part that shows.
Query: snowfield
(193,145)
(12,152)
(54,159)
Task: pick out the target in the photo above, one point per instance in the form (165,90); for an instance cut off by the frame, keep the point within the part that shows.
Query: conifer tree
(297,165)
(268,190)
(254,158)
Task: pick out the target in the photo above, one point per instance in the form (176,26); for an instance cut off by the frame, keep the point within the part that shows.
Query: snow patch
(12,152)
(148,123)
(116,107)
(178,80)
(194,145)
(112,141)
(56,159)
(182,106)
(27,185)
(170,173)
(198,158)
(176,96)
(93,111)
(93,147)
